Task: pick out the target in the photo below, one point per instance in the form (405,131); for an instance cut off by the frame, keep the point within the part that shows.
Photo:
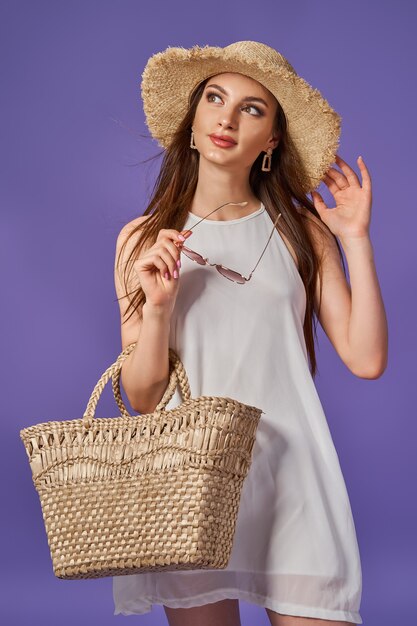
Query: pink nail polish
(181,237)
(175,274)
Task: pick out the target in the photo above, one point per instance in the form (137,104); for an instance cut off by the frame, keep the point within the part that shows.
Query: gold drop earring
(192,144)
(267,157)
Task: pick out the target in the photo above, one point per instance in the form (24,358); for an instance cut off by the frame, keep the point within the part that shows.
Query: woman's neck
(213,190)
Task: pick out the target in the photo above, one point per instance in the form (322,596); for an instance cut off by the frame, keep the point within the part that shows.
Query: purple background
(71,177)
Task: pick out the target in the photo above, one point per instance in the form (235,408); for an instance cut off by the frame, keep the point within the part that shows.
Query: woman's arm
(368,327)
(353,316)
(145,372)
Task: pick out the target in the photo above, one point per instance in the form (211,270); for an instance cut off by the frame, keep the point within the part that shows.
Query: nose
(227,120)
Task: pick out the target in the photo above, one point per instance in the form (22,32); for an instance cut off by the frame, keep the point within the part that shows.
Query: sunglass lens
(194,256)
(230,274)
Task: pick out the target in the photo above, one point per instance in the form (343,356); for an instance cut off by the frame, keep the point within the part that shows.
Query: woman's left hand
(351,216)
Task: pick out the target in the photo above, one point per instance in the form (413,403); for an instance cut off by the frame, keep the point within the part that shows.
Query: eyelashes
(248,106)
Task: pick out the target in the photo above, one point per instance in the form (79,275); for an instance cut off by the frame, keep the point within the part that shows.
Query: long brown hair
(280,190)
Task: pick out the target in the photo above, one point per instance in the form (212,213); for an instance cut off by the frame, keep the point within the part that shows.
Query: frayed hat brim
(170,77)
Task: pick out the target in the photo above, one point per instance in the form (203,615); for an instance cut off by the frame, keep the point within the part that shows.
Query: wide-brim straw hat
(170,76)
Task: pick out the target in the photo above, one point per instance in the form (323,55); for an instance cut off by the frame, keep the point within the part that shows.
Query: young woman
(245,139)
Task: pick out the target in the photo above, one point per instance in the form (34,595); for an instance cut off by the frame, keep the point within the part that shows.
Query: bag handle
(177,376)
(169,391)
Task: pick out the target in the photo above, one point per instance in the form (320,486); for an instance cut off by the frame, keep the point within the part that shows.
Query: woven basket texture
(142,493)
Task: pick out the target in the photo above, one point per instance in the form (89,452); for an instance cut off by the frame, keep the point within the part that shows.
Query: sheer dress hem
(139,607)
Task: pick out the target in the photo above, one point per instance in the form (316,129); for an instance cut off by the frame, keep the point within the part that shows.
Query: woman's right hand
(155,268)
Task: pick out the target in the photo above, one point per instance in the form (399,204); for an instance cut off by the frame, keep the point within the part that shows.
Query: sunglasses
(225,271)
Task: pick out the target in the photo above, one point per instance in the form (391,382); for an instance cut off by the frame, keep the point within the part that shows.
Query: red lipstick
(223,141)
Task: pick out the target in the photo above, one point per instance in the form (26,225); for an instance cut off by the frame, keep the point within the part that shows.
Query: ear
(273,142)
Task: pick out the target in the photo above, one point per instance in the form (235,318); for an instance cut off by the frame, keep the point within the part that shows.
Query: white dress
(295,548)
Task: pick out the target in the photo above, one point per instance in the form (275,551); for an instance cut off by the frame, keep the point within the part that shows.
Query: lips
(224,138)
(223,141)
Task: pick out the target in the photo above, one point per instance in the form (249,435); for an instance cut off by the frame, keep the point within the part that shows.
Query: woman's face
(229,106)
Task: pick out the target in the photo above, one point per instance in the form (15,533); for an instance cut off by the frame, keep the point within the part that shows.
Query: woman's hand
(158,270)
(351,216)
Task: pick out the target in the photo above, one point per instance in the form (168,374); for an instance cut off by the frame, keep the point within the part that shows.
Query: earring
(192,144)
(267,157)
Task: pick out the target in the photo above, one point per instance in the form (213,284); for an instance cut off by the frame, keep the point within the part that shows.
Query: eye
(209,94)
(249,106)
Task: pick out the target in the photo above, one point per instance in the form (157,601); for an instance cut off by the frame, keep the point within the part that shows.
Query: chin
(218,155)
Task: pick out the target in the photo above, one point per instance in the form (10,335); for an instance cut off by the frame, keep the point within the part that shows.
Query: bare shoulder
(123,239)
(336,290)
(323,240)
(127,283)
(125,244)
(317,230)
(137,221)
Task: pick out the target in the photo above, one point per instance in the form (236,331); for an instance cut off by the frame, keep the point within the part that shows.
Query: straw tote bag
(142,493)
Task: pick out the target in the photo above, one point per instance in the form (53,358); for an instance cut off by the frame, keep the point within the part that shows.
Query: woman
(295,550)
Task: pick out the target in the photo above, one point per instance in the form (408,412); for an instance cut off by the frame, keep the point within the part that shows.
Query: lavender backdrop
(70,178)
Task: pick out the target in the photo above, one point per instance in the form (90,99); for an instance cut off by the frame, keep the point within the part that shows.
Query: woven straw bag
(142,493)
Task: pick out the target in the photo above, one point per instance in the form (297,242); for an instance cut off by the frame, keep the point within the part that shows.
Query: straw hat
(170,76)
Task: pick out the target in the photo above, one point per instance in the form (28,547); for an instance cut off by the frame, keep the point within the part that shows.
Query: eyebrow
(246,99)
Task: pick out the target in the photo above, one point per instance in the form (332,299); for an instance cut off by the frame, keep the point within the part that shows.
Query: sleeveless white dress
(295,548)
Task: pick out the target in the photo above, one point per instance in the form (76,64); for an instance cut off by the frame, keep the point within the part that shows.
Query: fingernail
(181,238)
(166,275)
(175,274)
(179,263)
